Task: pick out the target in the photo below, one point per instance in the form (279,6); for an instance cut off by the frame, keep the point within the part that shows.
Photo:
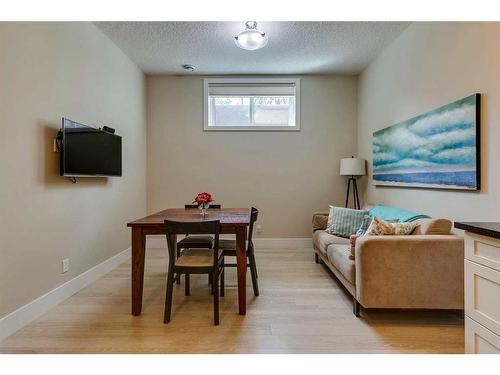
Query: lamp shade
(352,167)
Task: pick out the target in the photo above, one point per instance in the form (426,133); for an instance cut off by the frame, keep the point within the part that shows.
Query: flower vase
(203,208)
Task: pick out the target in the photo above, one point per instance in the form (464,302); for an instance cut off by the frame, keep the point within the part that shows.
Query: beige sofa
(423,270)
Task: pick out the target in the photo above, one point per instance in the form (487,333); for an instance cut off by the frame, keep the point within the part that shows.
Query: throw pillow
(319,221)
(343,222)
(380,227)
(365,224)
(432,226)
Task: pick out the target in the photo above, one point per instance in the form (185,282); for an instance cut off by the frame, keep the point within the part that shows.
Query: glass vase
(203,209)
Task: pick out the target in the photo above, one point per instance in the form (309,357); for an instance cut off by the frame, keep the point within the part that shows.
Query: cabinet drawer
(482,295)
(480,340)
(483,250)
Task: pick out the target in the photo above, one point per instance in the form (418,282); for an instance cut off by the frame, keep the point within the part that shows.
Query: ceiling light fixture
(251,39)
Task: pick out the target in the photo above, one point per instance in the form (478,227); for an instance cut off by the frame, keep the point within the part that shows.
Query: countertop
(490,229)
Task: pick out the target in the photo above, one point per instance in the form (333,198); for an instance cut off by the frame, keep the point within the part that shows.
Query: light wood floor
(301,309)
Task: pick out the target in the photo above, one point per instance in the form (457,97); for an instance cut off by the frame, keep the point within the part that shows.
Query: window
(252,104)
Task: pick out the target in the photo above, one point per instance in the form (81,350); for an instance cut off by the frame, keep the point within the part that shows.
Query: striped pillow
(367,220)
(344,222)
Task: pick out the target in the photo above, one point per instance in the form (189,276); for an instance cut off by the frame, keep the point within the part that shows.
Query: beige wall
(48,71)
(429,65)
(287,175)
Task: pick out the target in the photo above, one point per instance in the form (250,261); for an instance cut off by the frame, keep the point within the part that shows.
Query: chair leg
(168,297)
(222,281)
(256,274)
(216,298)
(253,272)
(186,290)
(178,276)
(356,307)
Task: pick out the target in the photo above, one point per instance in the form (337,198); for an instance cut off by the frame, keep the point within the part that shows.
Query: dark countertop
(490,229)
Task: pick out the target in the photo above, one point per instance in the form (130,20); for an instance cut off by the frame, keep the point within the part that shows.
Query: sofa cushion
(339,256)
(322,240)
(432,226)
(344,222)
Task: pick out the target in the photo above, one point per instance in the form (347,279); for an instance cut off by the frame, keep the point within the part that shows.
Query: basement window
(252,104)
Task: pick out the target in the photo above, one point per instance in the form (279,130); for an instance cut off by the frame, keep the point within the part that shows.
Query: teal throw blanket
(394,213)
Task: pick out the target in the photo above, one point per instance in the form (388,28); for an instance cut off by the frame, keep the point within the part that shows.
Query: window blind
(251,89)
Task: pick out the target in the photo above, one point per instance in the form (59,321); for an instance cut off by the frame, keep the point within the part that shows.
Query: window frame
(235,80)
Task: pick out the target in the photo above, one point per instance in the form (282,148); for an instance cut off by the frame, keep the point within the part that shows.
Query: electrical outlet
(259,229)
(65,265)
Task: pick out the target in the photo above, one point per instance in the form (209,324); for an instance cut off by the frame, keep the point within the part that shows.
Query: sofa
(423,270)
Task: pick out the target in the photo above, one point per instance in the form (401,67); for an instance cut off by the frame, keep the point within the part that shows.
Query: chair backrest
(193,227)
(216,206)
(254,213)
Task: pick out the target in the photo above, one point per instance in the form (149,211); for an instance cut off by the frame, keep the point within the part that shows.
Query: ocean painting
(439,149)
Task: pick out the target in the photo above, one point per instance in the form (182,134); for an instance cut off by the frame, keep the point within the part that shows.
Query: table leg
(138,253)
(241,260)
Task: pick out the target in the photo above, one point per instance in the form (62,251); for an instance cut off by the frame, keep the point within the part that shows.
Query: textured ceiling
(293,48)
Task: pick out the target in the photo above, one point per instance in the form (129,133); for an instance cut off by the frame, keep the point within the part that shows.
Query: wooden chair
(195,241)
(228,248)
(193,261)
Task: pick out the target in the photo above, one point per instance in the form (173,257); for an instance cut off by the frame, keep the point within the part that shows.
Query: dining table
(233,221)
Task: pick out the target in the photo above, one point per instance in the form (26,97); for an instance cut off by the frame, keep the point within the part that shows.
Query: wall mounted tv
(87,151)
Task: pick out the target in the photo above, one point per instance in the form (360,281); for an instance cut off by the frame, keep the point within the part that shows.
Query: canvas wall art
(439,149)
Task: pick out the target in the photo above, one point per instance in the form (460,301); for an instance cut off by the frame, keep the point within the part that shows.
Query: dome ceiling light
(251,39)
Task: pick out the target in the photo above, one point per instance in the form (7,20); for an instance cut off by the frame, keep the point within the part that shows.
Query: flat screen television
(87,151)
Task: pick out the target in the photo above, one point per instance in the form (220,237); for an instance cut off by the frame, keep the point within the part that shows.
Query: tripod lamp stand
(353,168)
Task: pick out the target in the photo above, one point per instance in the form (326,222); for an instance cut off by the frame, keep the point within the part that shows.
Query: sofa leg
(356,307)
(316,257)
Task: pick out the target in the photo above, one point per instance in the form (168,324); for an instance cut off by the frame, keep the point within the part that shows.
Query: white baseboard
(33,310)
(282,243)
(158,242)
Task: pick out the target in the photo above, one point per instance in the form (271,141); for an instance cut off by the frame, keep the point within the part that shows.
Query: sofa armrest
(319,221)
(415,271)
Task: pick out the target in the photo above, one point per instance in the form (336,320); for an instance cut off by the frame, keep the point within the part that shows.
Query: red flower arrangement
(203,201)
(203,198)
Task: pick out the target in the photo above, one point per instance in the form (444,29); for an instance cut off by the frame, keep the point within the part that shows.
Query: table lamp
(352,167)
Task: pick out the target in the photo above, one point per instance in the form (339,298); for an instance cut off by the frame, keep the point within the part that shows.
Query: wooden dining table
(233,221)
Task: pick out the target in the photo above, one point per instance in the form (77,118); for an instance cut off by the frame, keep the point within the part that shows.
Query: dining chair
(192,241)
(228,248)
(193,261)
